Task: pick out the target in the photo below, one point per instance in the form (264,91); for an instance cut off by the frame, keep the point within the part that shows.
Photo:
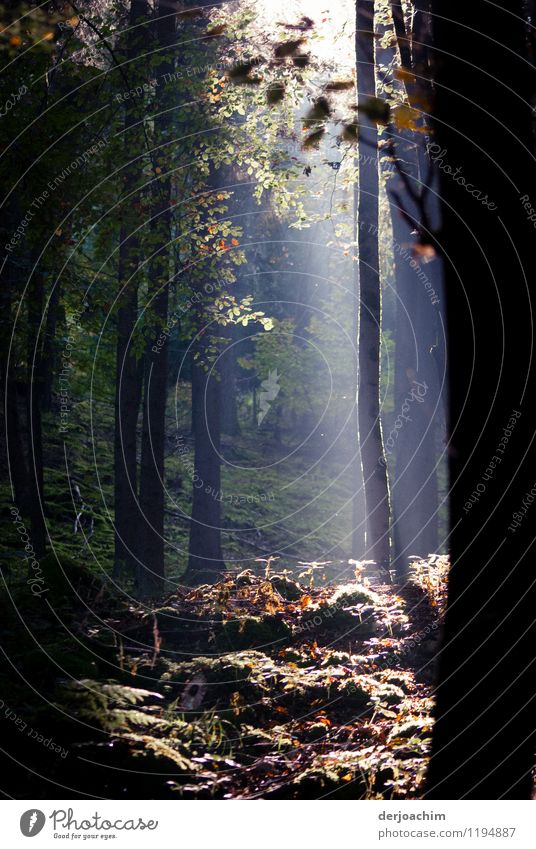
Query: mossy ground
(258,686)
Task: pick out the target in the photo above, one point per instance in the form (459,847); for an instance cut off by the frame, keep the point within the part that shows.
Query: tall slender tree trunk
(228,367)
(151,570)
(49,355)
(205,556)
(33,391)
(128,367)
(358,539)
(12,386)
(376,484)
(484,735)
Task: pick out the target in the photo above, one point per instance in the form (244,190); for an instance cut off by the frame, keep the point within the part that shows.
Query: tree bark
(376,484)
(151,570)
(483,742)
(205,556)
(228,370)
(417,329)
(33,392)
(49,355)
(128,368)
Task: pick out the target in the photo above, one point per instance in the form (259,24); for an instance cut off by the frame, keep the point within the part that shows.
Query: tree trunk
(49,355)
(228,369)
(417,330)
(205,556)
(417,403)
(358,539)
(16,461)
(483,742)
(376,484)
(128,369)
(151,570)
(33,391)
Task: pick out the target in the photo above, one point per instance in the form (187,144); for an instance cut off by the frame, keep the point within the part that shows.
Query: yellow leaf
(405,118)
(405,76)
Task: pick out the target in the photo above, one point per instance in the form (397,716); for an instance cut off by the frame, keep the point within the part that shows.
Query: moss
(288,589)
(349,595)
(253,632)
(357,624)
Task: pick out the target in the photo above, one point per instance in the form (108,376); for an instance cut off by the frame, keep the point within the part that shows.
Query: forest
(266,364)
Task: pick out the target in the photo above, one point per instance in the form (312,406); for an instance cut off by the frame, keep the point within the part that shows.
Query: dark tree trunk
(33,391)
(205,555)
(16,461)
(483,742)
(376,484)
(128,368)
(417,414)
(49,356)
(151,570)
(17,465)
(228,367)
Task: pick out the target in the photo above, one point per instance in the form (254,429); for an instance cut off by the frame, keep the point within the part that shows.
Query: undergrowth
(262,685)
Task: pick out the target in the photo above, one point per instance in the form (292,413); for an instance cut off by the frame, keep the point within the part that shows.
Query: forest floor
(264,685)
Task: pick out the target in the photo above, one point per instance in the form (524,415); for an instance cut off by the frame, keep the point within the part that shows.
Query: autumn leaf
(405,118)
(240,73)
(405,76)
(288,48)
(339,85)
(426,251)
(319,111)
(237,703)
(376,109)
(350,133)
(301,60)
(275,93)
(305,601)
(313,139)
(304,24)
